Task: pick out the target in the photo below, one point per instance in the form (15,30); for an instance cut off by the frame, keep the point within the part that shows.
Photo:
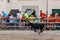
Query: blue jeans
(56,25)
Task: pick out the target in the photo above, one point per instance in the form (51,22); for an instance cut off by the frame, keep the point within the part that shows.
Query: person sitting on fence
(42,15)
(50,19)
(15,21)
(7,19)
(20,17)
(11,18)
(4,14)
(26,16)
(56,20)
(3,19)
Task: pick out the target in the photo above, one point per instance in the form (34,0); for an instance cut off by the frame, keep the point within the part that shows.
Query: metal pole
(46,8)
(47,11)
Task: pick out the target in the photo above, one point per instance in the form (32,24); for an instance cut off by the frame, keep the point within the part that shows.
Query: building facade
(6,5)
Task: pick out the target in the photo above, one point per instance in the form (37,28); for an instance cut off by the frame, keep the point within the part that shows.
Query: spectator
(3,21)
(56,17)
(7,19)
(3,18)
(42,15)
(20,16)
(15,21)
(11,19)
(4,14)
(50,19)
(56,20)
(26,16)
(31,18)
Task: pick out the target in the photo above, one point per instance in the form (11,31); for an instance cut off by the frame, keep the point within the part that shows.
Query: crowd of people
(30,20)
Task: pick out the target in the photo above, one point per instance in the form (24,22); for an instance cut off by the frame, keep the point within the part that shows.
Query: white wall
(42,5)
(19,4)
(53,4)
(14,4)
(2,6)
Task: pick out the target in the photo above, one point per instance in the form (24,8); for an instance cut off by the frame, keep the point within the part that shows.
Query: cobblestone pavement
(29,35)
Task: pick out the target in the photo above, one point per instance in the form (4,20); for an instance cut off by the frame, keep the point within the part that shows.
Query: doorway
(29,9)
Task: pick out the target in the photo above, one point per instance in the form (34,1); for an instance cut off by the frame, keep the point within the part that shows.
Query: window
(14,11)
(55,10)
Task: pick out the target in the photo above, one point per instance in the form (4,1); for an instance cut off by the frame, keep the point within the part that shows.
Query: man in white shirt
(11,18)
(19,15)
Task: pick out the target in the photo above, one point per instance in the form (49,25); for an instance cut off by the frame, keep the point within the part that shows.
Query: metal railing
(22,24)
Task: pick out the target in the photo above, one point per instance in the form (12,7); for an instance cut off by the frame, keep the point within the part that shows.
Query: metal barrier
(17,25)
(22,24)
(13,25)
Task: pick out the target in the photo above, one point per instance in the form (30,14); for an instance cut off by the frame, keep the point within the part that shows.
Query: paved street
(29,35)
